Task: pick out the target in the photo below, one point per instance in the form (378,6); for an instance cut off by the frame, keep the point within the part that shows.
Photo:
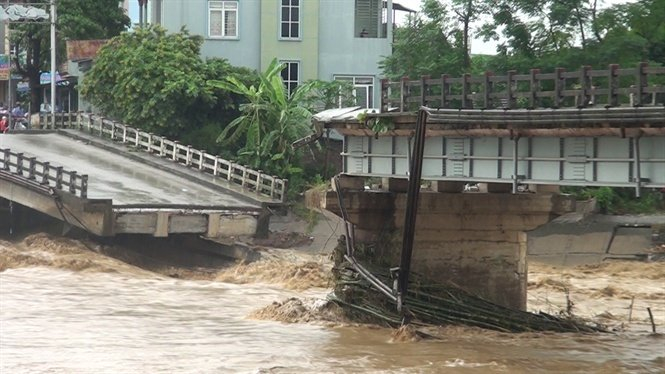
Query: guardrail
(640,86)
(243,176)
(43,173)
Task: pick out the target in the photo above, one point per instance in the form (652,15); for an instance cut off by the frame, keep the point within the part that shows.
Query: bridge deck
(108,189)
(619,147)
(113,176)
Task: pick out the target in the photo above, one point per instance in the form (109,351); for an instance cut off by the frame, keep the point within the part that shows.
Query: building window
(290,19)
(290,75)
(370,18)
(223,19)
(363,89)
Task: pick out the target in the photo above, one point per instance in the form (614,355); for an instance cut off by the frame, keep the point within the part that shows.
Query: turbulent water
(65,307)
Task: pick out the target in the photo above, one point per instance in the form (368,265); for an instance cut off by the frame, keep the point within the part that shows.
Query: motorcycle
(17,122)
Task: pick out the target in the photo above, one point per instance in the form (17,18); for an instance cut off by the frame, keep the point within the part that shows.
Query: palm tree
(270,121)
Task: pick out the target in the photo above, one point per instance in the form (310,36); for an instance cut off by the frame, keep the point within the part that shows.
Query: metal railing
(253,180)
(640,86)
(43,173)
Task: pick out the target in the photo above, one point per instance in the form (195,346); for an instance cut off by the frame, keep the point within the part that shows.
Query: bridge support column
(162,225)
(449,187)
(545,188)
(475,241)
(495,187)
(213,225)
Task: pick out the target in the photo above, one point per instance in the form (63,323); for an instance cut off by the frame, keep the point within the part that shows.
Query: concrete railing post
(188,158)
(72,182)
(149,142)
(232,166)
(101,127)
(282,194)
(58,177)
(175,150)
(19,163)
(46,169)
(534,88)
(272,186)
(215,169)
(258,182)
(84,186)
(6,154)
(31,167)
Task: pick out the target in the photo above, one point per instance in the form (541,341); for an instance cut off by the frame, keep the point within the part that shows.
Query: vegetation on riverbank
(621,200)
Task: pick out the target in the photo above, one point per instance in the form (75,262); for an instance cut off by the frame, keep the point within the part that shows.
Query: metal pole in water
(412,197)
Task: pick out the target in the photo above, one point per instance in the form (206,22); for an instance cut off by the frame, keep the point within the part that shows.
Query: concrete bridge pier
(476,241)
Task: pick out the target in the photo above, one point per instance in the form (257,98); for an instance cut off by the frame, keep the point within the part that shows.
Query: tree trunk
(465,45)
(467,20)
(580,21)
(33,72)
(593,22)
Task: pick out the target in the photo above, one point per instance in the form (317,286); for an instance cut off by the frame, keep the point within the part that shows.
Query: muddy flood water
(66,307)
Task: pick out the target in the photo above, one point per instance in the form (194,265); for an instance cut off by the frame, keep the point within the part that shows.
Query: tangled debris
(433,304)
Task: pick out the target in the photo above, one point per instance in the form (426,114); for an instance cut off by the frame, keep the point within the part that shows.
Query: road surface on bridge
(113,176)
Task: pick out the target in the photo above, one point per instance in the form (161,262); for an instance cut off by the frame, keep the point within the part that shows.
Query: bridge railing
(243,176)
(43,173)
(615,86)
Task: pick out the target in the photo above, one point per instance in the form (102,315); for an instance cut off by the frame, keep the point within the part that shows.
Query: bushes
(621,200)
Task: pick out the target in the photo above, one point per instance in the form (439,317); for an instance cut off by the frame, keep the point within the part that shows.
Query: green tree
(550,33)
(77,19)
(156,81)
(270,121)
(466,11)
(425,46)
(203,122)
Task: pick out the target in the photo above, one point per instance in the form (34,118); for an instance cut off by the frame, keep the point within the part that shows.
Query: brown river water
(67,308)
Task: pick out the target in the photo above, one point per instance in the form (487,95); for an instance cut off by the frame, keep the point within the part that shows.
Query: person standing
(45,107)
(18,110)
(4,125)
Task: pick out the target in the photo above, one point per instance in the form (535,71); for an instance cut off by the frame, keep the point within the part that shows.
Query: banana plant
(270,121)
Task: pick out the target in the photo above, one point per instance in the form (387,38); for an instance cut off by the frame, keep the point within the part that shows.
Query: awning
(398,6)
(60,81)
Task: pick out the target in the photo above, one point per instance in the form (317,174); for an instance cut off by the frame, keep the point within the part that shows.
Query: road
(114,176)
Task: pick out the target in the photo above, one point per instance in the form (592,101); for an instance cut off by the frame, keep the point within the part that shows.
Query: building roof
(398,6)
(78,50)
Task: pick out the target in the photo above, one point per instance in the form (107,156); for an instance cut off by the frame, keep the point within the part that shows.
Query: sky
(134,11)
(478,46)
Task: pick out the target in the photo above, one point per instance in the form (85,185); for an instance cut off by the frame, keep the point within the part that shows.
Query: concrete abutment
(476,241)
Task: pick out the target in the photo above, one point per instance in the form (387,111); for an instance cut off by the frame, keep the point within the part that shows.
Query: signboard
(22,86)
(45,77)
(4,67)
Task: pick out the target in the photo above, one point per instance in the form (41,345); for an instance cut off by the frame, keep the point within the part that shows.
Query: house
(80,56)
(316,39)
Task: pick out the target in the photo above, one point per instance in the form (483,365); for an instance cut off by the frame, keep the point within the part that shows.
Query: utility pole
(143,13)
(53,63)
(140,13)
(20,13)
